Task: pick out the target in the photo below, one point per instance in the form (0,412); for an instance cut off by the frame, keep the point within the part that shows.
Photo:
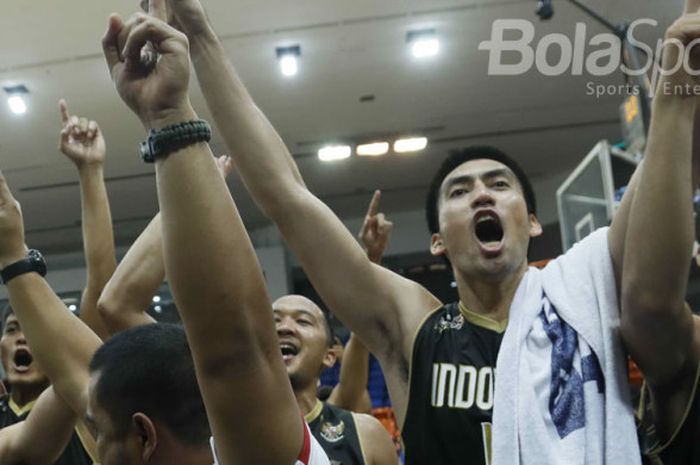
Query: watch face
(38,261)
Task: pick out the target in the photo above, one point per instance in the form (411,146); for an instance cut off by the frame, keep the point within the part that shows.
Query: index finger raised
(374,203)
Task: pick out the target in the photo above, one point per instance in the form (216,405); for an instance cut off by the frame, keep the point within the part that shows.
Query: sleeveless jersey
(73,454)
(450,404)
(683,448)
(335,429)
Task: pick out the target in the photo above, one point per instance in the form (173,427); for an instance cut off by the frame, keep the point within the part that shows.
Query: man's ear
(329,358)
(437,246)
(145,429)
(535,226)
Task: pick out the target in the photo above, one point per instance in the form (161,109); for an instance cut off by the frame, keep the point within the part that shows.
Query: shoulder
(367,424)
(375,441)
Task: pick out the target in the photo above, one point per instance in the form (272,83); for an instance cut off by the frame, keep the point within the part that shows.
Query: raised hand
(81,139)
(156,90)
(225,165)
(376,230)
(188,16)
(12,246)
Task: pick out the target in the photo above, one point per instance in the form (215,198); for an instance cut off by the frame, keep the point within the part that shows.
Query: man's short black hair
(455,159)
(149,369)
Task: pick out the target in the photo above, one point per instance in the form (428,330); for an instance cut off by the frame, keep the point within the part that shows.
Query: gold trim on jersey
(87,441)
(410,362)
(677,431)
(19,411)
(315,412)
(82,433)
(481,320)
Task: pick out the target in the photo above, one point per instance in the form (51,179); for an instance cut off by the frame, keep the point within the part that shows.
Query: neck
(195,456)
(24,394)
(306,397)
(172,451)
(490,298)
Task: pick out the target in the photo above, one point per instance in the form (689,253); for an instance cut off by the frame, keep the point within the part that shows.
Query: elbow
(277,203)
(108,307)
(648,304)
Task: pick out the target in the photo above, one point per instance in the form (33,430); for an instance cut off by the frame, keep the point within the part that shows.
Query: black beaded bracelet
(172,138)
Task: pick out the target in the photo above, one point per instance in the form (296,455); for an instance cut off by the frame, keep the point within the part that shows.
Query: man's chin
(26,380)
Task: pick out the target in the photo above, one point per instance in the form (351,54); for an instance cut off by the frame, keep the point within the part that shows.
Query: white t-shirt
(311,452)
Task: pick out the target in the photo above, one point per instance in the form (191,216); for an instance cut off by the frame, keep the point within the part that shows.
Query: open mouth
(488,229)
(289,351)
(22,360)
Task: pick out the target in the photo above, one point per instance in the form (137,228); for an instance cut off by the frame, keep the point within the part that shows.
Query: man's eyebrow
(308,313)
(464,179)
(297,311)
(497,173)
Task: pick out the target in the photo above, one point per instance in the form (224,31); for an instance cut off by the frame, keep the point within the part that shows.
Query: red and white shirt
(311,451)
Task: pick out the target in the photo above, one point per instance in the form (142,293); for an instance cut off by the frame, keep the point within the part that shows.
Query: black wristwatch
(33,263)
(174,137)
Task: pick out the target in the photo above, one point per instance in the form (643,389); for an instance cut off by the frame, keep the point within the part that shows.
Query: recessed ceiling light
(423,43)
(374,149)
(413,144)
(289,60)
(156,298)
(334,152)
(16,99)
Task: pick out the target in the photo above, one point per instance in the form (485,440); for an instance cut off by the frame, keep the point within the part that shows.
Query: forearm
(260,155)
(61,343)
(354,374)
(662,207)
(128,295)
(655,322)
(192,230)
(221,296)
(98,242)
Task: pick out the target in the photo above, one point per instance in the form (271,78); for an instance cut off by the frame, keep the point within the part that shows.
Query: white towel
(579,413)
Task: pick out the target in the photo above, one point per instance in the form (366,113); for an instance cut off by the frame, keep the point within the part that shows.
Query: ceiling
(350,49)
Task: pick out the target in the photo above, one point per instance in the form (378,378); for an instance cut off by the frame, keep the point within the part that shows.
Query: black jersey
(73,454)
(448,421)
(683,448)
(335,429)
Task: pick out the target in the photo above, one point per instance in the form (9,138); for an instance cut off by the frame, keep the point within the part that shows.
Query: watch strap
(33,262)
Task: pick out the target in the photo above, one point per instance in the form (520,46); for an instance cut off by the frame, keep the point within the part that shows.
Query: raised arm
(126,298)
(211,265)
(351,391)
(81,140)
(50,424)
(60,342)
(655,322)
(369,300)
